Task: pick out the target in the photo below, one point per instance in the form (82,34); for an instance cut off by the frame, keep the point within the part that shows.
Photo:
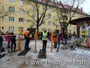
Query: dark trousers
(8,45)
(27,43)
(62,41)
(65,41)
(55,44)
(13,45)
(0,44)
(58,42)
(44,45)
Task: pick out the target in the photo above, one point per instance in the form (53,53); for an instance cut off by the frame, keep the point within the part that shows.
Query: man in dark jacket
(1,40)
(13,41)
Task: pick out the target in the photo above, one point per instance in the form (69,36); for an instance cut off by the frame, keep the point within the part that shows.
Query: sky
(86,6)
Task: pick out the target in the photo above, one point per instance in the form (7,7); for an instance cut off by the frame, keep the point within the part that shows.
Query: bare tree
(3,12)
(40,8)
(66,10)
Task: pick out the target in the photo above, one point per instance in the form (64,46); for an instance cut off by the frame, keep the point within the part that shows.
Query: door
(89,32)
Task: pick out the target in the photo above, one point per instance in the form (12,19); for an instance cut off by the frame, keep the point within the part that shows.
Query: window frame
(11,9)
(21,19)
(11,19)
(11,28)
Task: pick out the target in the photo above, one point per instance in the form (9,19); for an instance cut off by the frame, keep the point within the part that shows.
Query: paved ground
(78,58)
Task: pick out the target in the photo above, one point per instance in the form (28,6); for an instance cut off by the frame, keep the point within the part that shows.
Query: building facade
(14,18)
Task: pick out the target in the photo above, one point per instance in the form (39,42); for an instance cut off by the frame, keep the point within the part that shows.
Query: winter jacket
(55,38)
(1,38)
(59,36)
(8,37)
(13,37)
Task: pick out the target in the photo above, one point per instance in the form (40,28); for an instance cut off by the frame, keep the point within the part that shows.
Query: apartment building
(14,18)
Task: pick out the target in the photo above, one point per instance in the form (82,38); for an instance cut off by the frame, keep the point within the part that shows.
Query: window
(21,1)
(49,15)
(49,23)
(33,9)
(56,26)
(28,20)
(70,31)
(21,10)
(2,17)
(57,20)
(21,20)
(2,28)
(44,7)
(11,9)
(70,26)
(33,16)
(49,30)
(2,7)
(28,11)
(53,23)
(33,24)
(11,28)
(20,28)
(11,0)
(56,14)
(65,17)
(53,16)
(43,22)
(49,8)
(11,18)
(42,30)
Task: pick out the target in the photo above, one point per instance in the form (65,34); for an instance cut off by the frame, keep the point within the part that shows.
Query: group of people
(57,38)
(11,38)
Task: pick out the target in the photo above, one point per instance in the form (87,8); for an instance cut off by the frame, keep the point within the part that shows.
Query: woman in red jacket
(8,39)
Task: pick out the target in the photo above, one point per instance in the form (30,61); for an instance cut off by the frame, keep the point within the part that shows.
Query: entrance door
(89,32)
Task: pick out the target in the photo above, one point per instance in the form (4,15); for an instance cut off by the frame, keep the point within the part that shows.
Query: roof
(58,4)
(76,21)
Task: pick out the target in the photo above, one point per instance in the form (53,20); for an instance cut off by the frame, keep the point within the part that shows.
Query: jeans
(55,44)
(49,38)
(65,41)
(8,45)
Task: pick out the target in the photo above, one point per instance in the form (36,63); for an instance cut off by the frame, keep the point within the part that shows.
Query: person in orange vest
(27,37)
(55,40)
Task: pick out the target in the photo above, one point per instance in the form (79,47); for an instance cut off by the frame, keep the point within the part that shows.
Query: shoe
(55,47)
(28,48)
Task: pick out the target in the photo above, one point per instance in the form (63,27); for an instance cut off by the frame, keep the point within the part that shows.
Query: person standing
(62,37)
(44,39)
(49,35)
(27,37)
(65,38)
(59,37)
(1,40)
(13,42)
(55,40)
(8,39)
(74,36)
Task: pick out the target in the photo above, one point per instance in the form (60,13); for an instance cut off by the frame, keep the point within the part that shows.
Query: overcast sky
(86,6)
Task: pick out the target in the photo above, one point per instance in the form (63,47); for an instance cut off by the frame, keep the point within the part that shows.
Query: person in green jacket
(44,39)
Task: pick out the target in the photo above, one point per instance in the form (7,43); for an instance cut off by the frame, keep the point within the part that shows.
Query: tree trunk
(37,28)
